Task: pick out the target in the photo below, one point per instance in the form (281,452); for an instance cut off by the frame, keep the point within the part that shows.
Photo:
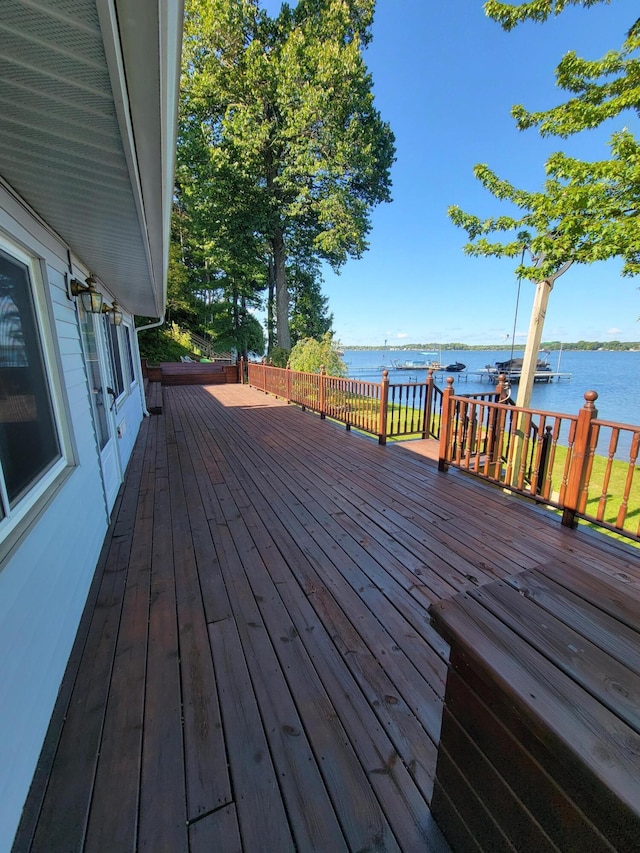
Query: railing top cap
(590,399)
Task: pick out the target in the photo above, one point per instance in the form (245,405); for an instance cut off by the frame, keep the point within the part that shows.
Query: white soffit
(68,130)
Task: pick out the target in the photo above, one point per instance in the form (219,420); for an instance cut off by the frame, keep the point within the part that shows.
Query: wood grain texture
(258,670)
(567,702)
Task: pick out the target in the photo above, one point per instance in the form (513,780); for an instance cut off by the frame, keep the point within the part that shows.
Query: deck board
(259,671)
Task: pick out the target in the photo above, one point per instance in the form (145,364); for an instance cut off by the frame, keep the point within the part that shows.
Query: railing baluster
(633,457)
(613,446)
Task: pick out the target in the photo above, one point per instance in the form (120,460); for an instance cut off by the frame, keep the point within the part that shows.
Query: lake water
(614,375)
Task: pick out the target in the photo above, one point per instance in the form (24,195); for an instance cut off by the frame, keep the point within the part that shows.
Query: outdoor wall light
(115,314)
(89,296)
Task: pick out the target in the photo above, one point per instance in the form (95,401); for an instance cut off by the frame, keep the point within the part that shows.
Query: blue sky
(445,78)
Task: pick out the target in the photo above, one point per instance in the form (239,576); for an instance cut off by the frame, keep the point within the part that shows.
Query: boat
(512,369)
(431,364)
(410,365)
(417,365)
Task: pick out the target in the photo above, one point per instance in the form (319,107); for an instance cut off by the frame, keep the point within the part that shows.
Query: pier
(419,374)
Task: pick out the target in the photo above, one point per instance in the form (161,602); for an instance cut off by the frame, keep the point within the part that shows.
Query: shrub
(310,354)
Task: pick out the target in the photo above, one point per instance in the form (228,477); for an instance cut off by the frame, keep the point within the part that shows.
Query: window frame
(114,354)
(43,318)
(120,335)
(128,358)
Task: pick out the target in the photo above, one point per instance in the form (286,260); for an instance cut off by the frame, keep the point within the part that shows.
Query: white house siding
(45,578)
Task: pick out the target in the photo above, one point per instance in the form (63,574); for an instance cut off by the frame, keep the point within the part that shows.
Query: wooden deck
(256,669)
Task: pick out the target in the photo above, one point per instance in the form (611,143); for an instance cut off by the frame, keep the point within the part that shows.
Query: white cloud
(613,331)
(402,335)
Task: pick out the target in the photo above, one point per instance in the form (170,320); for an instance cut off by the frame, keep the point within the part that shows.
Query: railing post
(501,388)
(579,459)
(428,403)
(288,382)
(240,367)
(495,428)
(322,392)
(384,406)
(445,424)
(264,373)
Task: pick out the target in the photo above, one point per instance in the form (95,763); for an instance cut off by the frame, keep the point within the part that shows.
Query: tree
(309,355)
(309,311)
(287,104)
(220,240)
(586,211)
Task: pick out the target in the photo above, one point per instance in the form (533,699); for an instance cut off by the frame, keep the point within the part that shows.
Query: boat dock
(540,375)
(419,374)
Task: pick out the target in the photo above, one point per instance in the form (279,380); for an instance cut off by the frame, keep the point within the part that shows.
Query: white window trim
(127,344)
(29,502)
(109,358)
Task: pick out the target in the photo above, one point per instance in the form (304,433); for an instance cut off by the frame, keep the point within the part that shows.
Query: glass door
(103,398)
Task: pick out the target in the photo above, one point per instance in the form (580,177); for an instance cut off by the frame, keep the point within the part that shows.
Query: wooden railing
(584,466)
(386,410)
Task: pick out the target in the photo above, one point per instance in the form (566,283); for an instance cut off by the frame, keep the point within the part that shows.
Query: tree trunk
(270,302)
(534,338)
(536,326)
(235,312)
(527,373)
(282,293)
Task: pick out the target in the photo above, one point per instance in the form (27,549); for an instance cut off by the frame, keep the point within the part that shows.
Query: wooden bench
(540,742)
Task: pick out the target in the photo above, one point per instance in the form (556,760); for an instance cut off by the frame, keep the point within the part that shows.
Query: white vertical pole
(534,338)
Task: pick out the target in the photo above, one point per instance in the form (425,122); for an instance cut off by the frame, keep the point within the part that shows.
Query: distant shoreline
(550,346)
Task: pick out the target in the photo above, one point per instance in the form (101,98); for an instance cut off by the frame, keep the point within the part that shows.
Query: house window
(128,354)
(30,444)
(115,356)
(120,357)
(92,360)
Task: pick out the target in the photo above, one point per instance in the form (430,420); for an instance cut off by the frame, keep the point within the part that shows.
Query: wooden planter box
(540,743)
(196,373)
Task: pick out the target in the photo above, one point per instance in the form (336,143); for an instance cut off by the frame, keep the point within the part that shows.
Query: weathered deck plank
(260,671)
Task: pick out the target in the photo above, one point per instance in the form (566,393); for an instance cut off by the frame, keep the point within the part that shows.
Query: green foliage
(309,317)
(280,144)
(233,327)
(509,15)
(163,344)
(279,356)
(586,211)
(310,354)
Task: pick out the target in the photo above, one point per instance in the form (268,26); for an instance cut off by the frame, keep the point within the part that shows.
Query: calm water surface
(614,375)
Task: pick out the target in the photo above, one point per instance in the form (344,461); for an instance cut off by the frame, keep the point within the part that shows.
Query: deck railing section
(552,457)
(586,467)
(407,409)
(356,403)
(386,410)
(610,493)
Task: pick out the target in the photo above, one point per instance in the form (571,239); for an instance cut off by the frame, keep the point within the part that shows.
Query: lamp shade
(89,296)
(91,300)
(115,315)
